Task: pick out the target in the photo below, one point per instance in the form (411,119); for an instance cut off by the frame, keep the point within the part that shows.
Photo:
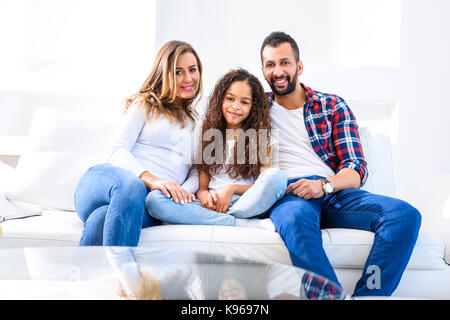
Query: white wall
(422,156)
(229,33)
(80,55)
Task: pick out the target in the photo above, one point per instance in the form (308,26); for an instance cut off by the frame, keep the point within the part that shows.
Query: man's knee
(405,221)
(411,217)
(296,216)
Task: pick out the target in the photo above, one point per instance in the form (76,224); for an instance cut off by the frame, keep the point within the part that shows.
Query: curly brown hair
(257,120)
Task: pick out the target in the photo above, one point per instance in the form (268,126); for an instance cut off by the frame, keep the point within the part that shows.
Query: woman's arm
(125,138)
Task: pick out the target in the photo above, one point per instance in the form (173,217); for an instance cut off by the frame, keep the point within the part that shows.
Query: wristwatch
(327,187)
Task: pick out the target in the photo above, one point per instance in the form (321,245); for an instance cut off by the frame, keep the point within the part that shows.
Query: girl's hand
(169,188)
(206,199)
(223,198)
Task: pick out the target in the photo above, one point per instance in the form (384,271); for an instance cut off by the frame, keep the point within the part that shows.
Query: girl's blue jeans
(395,224)
(267,189)
(111,203)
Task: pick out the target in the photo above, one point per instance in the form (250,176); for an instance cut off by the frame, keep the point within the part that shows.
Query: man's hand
(306,189)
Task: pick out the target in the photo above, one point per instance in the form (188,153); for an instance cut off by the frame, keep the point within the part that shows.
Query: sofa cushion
(345,248)
(62,146)
(52,228)
(349,248)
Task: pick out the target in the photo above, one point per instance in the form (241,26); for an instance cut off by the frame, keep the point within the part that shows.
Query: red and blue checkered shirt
(333,131)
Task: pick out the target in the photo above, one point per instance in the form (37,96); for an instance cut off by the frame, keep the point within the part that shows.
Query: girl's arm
(223,198)
(203,193)
(269,161)
(238,188)
(203,181)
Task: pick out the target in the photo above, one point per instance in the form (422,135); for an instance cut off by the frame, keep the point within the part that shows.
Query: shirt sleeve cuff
(362,171)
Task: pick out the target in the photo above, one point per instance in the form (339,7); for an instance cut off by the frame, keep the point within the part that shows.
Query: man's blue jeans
(111,203)
(395,224)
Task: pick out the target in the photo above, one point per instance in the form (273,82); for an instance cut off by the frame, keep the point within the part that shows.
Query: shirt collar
(311,97)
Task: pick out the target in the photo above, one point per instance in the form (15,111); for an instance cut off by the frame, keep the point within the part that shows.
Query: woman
(238,185)
(146,154)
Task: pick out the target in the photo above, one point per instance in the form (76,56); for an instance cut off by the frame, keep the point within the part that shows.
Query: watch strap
(324,183)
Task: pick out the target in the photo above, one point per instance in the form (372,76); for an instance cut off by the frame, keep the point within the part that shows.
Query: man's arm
(345,179)
(347,144)
(352,168)
(307,189)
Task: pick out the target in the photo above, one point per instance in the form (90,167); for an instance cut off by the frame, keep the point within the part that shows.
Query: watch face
(328,187)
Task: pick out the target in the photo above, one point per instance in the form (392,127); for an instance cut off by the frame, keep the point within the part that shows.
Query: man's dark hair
(276,38)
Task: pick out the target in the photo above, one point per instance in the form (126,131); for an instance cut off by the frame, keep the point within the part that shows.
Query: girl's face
(187,77)
(232,289)
(237,104)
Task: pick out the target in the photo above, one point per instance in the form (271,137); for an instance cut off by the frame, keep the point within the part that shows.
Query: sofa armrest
(378,154)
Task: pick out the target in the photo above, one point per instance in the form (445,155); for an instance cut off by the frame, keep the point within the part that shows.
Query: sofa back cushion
(62,146)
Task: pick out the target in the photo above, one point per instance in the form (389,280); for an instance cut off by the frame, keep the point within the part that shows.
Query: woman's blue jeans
(111,203)
(395,224)
(267,189)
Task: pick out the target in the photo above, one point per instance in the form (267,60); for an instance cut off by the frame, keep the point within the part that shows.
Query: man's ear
(300,67)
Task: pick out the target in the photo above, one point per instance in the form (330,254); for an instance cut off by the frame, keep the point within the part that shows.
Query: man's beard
(290,85)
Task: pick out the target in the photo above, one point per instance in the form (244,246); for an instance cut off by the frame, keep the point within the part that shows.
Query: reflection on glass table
(156,273)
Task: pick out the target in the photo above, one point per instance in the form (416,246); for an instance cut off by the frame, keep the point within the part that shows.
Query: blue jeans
(395,224)
(267,189)
(111,203)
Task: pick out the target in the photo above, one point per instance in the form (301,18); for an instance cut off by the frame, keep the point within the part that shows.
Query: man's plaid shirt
(333,131)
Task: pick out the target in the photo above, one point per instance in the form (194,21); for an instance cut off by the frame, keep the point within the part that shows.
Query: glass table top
(153,273)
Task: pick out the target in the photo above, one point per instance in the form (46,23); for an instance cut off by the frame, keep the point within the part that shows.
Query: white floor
(58,290)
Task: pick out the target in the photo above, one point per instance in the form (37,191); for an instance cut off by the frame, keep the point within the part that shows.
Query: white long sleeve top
(164,149)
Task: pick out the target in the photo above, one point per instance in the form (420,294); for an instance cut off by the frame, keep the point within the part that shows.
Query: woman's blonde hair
(149,289)
(158,93)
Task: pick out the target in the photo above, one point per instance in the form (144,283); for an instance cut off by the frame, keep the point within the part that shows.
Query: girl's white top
(164,149)
(222,178)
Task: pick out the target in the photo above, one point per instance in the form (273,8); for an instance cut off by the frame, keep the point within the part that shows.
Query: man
(320,151)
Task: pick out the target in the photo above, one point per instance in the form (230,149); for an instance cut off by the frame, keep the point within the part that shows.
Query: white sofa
(63,145)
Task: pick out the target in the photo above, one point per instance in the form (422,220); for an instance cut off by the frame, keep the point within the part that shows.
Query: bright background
(388,58)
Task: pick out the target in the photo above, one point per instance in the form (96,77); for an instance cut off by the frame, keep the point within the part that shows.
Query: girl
(243,186)
(110,198)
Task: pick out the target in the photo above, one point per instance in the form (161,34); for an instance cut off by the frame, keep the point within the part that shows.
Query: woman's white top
(222,178)
(164,149)
(293,152)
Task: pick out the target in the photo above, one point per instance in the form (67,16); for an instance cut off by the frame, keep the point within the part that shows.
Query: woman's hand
(223,198)
(206,199)
(169,188)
